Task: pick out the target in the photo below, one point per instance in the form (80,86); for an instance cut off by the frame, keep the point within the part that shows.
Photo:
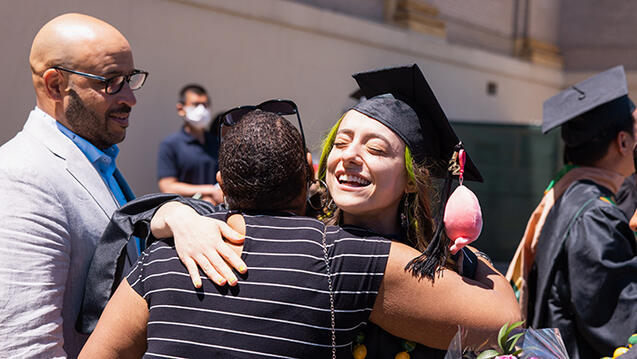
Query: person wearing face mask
(187,162)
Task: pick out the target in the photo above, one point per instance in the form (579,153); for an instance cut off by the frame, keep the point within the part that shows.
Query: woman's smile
(352,180)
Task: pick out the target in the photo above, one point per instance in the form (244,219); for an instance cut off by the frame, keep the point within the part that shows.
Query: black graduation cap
(401,99)
(429,135)
(587,108)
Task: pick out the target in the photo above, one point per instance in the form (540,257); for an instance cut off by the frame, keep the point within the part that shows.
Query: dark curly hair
(263,163)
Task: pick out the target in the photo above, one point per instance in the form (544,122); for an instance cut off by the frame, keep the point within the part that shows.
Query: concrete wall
(491,25)
(544,20)
(485,24)
(596,35)
(373,10)
(246,51)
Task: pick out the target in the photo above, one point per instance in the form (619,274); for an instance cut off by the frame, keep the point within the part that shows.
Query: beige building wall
(486,24)
(597,35)
(247,51)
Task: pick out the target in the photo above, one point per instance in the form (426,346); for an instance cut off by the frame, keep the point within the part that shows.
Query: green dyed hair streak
(409,165)
(328,143)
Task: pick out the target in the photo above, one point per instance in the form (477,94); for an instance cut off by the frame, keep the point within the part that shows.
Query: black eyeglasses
(280,107)
(114,84)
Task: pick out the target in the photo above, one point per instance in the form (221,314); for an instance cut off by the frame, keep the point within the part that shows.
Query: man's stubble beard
(88,124)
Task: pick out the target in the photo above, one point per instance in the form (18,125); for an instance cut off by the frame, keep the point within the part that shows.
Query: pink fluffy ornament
(463,216)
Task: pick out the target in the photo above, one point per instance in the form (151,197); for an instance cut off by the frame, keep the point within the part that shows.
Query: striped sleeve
(136,276)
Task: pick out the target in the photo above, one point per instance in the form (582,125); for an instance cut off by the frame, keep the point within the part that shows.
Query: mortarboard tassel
(435,256)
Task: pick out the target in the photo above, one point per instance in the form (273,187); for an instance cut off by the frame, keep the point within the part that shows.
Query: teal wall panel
(517,163)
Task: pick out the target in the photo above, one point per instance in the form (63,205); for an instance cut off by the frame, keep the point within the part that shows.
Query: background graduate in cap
(372,185)
(576,267)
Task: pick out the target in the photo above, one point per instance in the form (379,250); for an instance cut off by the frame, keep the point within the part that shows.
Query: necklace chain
(329,284)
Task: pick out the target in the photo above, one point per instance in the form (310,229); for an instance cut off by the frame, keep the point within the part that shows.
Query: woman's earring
(319,197)
(404,214)
(313,193)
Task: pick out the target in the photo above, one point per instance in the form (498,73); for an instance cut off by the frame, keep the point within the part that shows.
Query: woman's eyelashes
(377,147)
(373,145)
(376,150)
(340,144)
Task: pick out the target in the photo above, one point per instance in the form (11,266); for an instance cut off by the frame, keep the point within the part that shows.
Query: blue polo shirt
(182,156)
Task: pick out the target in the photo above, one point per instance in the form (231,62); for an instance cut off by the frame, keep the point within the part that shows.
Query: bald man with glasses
(60,184)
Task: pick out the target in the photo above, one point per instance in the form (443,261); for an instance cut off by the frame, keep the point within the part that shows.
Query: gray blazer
(53,208)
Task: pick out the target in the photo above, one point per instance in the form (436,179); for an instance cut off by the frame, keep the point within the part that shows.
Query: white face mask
(198,116)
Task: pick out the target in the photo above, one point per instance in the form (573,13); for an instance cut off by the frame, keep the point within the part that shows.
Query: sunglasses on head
(280,107)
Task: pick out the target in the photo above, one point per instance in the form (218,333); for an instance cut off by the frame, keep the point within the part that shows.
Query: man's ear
(624,143)
(311,164)
(180,109)
(219,180)
(54,84)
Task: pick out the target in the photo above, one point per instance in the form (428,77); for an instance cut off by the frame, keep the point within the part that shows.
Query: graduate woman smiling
(377,163)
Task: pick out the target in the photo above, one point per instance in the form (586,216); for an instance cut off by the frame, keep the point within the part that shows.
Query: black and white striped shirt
(280,308)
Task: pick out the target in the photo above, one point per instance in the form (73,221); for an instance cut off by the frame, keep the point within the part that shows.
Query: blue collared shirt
(104,163)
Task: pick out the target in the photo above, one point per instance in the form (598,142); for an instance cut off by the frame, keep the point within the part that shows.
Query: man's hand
(208,192)
(199,242)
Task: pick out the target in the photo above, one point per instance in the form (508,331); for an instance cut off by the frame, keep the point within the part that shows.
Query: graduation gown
(584,279)
(627,196)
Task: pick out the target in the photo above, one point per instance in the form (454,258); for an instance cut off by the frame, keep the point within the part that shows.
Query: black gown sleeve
(602,278)
(108,266)
(627,196)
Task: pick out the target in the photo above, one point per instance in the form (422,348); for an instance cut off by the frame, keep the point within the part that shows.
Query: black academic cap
(399,117)
(587,108)
(401,99)
(429,135)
